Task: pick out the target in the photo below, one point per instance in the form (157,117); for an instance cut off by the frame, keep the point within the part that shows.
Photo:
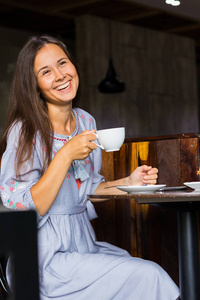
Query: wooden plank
(189,159)
(168,159)
(107,168)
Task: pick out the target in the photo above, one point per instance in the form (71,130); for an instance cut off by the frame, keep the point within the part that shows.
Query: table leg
(188,247)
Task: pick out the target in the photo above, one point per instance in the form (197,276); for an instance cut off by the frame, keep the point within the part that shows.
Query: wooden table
(187,205)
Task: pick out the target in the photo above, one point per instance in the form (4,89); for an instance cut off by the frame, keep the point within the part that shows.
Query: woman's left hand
(140,176)
(143,175)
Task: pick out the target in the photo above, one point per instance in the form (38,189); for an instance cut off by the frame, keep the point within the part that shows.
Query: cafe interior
(139,63)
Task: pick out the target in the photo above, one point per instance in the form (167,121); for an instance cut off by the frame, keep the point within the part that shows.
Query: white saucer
(140,189)
(194,185)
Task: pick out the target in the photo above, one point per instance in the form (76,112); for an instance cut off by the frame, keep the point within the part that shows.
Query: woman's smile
(64,86)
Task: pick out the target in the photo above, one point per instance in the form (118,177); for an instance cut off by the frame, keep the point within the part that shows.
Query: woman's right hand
(80,146)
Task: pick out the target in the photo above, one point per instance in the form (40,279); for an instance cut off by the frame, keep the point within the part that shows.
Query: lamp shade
(111,83)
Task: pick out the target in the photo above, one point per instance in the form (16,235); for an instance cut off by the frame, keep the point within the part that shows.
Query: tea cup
(111,139)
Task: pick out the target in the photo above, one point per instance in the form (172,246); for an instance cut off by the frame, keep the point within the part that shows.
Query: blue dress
(72,263)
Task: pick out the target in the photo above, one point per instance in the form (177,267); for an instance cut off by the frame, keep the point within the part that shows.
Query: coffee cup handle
(98,145)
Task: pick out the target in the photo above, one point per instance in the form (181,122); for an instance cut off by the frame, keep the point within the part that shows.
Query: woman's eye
(62,63)
(46,72)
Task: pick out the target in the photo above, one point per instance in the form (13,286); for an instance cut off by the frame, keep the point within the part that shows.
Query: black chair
(18,240)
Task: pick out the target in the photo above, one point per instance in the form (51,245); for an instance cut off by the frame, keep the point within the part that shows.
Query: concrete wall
(159,70)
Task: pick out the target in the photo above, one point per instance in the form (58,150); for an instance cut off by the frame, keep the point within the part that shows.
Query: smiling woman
(50,163)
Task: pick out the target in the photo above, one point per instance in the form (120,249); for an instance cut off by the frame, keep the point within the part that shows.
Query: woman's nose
(58,75)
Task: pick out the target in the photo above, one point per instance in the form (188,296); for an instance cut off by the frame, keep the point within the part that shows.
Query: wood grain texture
(189,159)
(168,162)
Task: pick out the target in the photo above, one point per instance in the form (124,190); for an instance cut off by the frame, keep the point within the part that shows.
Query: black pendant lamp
(111,83)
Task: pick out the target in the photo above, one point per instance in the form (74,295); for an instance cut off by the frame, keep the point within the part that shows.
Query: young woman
(49,163)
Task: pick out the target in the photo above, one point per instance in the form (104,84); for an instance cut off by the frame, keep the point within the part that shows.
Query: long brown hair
(27,106)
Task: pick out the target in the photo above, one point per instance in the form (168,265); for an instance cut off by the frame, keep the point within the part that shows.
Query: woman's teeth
(64,86)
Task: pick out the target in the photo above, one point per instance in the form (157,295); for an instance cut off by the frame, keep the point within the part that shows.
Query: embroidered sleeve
(15,193)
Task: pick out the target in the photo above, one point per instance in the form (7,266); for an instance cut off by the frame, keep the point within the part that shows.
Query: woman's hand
(143,175)
(80,146)
(140,176)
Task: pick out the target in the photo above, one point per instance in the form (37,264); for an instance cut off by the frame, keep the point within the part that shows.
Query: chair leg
(4,288)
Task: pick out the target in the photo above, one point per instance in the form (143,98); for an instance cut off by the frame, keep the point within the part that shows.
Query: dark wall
(159,70)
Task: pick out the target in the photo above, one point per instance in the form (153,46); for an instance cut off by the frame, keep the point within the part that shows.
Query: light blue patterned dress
(72,264)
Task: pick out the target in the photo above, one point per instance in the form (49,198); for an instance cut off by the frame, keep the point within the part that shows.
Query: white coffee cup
(111,139)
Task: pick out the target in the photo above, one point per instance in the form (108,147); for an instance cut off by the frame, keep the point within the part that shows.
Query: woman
(50,163)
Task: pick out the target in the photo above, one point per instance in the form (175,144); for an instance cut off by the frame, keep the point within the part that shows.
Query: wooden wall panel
(168,161)
(107,169)
(189,158)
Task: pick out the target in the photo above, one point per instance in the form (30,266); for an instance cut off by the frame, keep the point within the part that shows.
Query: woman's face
(57,77)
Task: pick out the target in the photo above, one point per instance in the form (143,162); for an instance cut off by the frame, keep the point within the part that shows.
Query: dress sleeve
(15,193)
